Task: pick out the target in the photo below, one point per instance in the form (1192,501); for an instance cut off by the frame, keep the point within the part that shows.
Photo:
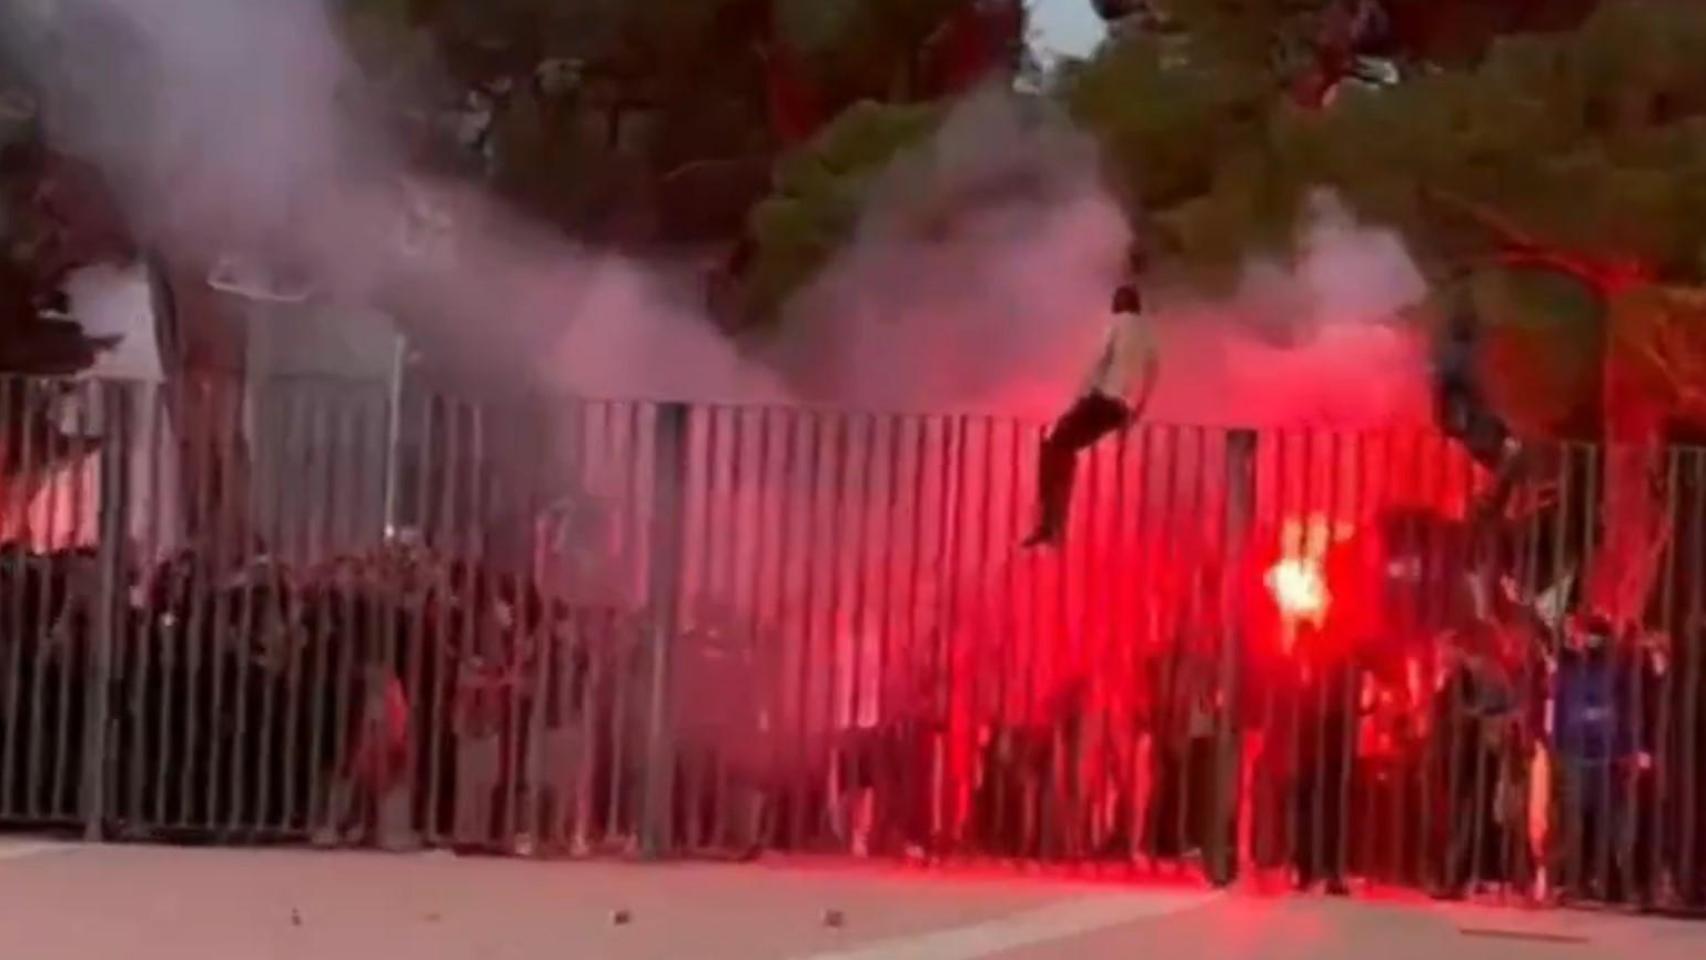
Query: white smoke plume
(980,279)
(977,280)
(979,276)
(241,130)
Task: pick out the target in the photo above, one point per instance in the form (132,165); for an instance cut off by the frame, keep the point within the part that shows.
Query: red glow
(1300,590)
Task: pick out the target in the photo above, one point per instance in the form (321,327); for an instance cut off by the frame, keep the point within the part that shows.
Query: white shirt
(1126,368)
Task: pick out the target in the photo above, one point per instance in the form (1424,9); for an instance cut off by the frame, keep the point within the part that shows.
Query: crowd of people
(256,701)
(1481,741)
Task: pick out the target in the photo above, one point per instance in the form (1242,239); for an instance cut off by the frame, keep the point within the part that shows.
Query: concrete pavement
(140,903)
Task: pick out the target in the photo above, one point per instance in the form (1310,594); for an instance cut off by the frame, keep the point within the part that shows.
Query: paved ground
(141,903)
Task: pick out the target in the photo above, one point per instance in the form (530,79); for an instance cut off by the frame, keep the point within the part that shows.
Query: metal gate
(578,626)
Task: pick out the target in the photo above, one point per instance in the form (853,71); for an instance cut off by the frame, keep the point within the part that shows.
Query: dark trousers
(1092,417)
(1324,771)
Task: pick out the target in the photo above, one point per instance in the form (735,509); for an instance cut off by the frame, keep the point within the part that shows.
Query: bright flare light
(1300,590)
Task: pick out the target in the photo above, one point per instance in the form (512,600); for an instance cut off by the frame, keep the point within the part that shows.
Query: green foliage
(1592,140)
(1544,340)
(863,48)
(819,193)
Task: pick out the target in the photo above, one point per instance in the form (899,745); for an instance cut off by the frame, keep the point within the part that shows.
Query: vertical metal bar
(350,631)
(163,629)
(769,639)
(1555,856)
(974,646)
(702,628)
(336,634)
(665,552)
(504,485)
(53,653)
(920,733)
(543,813)
(1036,795)
(425,662)
(1239,493)
(77,640)
(48,598)
(14,409)
(1294,525)
(479,635)
(1103,534)
(1323,670)
(948,628)
(460,621)
(1525,866)
(1396,615)
(862,687)
(55,604)
(1120,673)
(438,529)
(536,613)
(111,600)
(1138,681)
(231,556)
(26,649)
(1690,750)
(321,605)
(803,823)
(1482,560)
(1186,653)
(833,733)
(315,693)
(1358,856)
(1460,726)
(1599,460)
(585,662)
(886,778)
(1093,626)
(254,660)
(1007,720)
(198,440)
(33,606)
(1435,587)
(62,643)
(279,691)
(722,576)
(141,651)
(1571,805)
(971,644)
(27,654)
(1361,675)
(633,643)
(1165,680)
(244,655)
(617,644)
(1630,731)
(1664,676)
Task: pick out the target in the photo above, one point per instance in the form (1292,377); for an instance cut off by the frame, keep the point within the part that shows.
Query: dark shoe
(1043,536)
(1337,888)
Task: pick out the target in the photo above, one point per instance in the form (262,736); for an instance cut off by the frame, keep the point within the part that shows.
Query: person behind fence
(1118,389)
(1592,739)
(1475,715)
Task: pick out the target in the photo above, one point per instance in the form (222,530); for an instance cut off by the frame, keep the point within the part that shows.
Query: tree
(818,195)
(1535,133)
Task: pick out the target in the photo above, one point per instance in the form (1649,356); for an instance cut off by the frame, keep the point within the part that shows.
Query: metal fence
(299,612)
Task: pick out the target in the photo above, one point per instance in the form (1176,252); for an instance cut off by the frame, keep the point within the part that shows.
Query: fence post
(1240,503)
(111,597)
(664,554)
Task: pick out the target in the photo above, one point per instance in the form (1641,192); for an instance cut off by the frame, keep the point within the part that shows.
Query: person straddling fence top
(1119,387)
